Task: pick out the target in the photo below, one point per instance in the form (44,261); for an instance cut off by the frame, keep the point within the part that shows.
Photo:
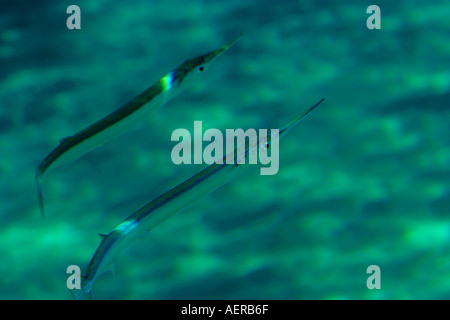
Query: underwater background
(363,180)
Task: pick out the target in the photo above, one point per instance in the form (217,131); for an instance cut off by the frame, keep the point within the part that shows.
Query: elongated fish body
(125,117)
(176,199)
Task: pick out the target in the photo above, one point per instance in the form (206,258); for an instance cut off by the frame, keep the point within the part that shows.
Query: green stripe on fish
(124,118)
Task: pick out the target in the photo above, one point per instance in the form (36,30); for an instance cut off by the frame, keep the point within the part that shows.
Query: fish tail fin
(39,189)
(84,293)
(80,294)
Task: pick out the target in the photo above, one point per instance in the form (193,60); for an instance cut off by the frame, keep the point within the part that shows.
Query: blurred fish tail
(84,293)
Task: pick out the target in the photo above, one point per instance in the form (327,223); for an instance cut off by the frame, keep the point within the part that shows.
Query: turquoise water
(364,180)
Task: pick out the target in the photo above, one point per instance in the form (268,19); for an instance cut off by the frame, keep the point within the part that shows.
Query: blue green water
(364,180)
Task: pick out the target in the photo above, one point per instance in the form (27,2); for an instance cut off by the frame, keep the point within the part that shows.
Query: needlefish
(176,199)
(127,116)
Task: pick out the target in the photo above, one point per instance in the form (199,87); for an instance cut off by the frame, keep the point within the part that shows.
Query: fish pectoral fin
(102,235)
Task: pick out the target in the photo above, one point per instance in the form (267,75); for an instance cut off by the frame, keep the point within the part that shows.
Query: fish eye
(201,68)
